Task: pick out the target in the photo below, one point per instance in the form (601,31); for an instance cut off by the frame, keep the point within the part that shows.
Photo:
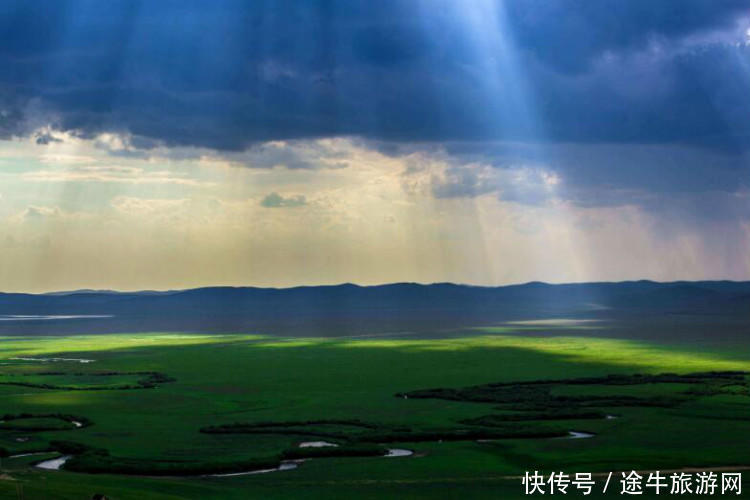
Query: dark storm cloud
(45,138)
(653,176)
(228,74)
(569,34)
(660,167)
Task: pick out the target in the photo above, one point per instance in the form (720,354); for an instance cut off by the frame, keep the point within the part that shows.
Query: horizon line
(341,284)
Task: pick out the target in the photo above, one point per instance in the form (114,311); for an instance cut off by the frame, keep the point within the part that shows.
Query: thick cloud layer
(228,74)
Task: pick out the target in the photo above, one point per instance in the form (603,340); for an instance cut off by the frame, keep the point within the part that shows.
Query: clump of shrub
(295,423)
(296,427)
(514,432)
(240,428)
(73,448)
(65,417)
(151,381)
(99,461)
(102,463)
(356,450)
(536,395)
(498,419)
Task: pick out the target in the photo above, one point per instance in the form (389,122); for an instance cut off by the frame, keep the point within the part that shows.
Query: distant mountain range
(349,308)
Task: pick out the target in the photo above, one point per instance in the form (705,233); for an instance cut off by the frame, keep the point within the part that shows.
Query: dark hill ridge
(350,308)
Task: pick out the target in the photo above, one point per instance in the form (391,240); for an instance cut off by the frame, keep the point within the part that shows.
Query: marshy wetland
(177,415)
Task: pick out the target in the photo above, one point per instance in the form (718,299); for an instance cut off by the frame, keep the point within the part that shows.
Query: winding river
(54,464)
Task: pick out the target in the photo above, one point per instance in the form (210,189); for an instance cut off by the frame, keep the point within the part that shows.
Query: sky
(178,144)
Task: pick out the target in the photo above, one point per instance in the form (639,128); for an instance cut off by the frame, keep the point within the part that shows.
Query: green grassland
(273,393)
